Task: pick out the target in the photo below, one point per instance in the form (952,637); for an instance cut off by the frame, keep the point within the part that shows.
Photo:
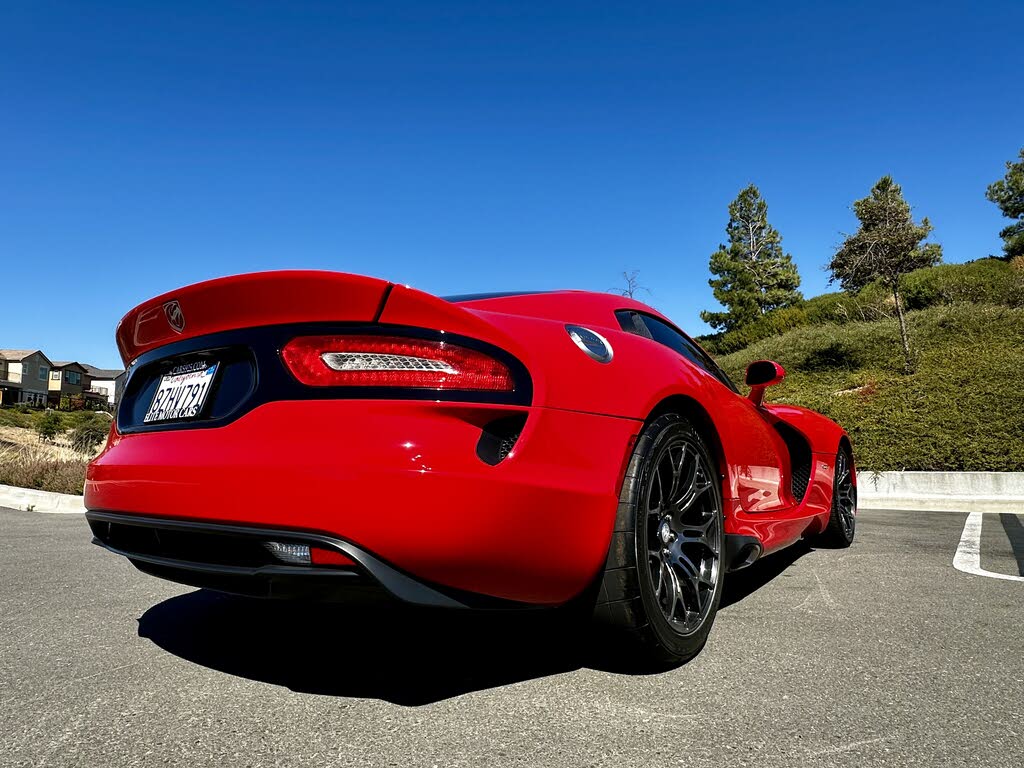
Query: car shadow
(741,584)
(391,652)
(395,653)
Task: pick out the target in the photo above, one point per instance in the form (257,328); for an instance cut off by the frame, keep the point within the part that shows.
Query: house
(24,376)
(69,378)
(106,381)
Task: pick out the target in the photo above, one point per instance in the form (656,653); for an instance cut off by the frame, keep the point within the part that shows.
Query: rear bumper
(181,551)
(396,485)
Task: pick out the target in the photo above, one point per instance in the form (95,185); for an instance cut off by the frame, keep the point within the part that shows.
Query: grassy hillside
(986,281)
(962,409)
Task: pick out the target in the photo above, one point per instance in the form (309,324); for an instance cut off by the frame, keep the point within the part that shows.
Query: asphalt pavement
(882,654)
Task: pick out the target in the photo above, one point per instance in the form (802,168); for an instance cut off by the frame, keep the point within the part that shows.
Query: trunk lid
(242,301)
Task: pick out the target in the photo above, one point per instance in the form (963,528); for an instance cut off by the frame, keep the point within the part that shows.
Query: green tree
(50,425)
(886,246)
(1008,194)
(753,275)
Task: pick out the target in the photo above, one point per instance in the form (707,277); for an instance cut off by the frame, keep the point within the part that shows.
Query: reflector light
(391,361)
(294,554)
(329,557)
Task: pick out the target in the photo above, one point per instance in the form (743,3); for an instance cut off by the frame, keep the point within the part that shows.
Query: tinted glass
(631,322)
(663,333)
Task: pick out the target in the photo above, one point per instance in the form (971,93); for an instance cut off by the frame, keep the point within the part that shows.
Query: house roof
(102,373)
(68,363)
(17,355)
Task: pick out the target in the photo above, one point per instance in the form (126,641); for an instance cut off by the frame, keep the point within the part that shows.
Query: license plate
(182,392)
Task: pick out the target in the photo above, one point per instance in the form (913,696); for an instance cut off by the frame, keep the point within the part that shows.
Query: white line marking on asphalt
(968,553)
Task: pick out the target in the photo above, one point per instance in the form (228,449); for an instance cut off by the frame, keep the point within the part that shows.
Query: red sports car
(321,435)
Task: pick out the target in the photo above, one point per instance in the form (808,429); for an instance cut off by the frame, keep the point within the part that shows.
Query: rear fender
(821,432)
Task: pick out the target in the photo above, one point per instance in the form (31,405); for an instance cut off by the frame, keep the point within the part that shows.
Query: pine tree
(1008,194)
(754,276)
(886,246)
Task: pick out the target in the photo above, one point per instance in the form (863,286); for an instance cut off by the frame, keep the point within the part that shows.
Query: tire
(842,521)
(662,582)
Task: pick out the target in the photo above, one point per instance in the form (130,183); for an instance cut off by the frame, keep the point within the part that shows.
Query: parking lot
(883,654)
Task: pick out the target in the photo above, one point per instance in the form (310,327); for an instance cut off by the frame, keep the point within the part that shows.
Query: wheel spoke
(688,569)
(661,579)
(694,492)
(677,469)
(676,595)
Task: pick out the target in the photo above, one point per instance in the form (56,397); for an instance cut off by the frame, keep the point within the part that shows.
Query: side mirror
(761,375)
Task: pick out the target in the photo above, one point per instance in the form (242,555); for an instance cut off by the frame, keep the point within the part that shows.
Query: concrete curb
(31,500)
(924,491)
(942,491)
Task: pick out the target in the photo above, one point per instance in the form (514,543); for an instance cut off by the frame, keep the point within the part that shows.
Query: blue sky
(473,146)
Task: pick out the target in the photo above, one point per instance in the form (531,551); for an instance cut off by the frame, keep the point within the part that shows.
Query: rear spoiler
(294,296)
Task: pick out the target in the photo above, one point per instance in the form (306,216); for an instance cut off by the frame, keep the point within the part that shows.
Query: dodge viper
(324,436)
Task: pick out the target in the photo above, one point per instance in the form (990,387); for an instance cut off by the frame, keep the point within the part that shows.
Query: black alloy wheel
(842,522)
(663,579)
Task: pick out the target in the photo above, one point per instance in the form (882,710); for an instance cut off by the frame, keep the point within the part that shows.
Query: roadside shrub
(986,281)
(28,468)
(50,425)
(12,417)
(76,419)
(90,434)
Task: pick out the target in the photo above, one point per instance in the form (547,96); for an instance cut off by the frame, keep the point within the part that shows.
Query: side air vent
(799,459)
(499,438)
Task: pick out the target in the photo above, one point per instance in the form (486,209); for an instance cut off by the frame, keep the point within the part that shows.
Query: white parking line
(968,553)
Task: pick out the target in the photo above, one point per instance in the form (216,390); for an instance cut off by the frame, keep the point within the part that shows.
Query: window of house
(44,371)
(74,377)
(55,375)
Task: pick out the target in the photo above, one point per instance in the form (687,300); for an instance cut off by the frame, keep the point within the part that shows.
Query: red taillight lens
(392,361)
(320,556)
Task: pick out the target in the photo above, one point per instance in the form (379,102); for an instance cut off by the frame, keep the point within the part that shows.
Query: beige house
(24,376)
(68,378)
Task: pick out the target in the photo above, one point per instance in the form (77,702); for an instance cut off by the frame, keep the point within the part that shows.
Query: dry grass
(37,467)
(59,448)
(26,461)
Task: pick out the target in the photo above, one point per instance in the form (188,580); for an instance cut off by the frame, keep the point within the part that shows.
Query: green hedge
(989,281)
(960,410)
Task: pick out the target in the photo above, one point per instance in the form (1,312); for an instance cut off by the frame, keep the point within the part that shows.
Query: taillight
(392,361)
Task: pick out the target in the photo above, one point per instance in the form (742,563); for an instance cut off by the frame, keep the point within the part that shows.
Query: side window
(663,333)
(631,322)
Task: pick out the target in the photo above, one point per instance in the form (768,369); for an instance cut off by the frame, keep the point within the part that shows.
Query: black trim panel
(248,580)
(254,374)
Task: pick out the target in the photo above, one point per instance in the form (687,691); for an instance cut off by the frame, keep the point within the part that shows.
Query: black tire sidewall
(662,430)
(836,517)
